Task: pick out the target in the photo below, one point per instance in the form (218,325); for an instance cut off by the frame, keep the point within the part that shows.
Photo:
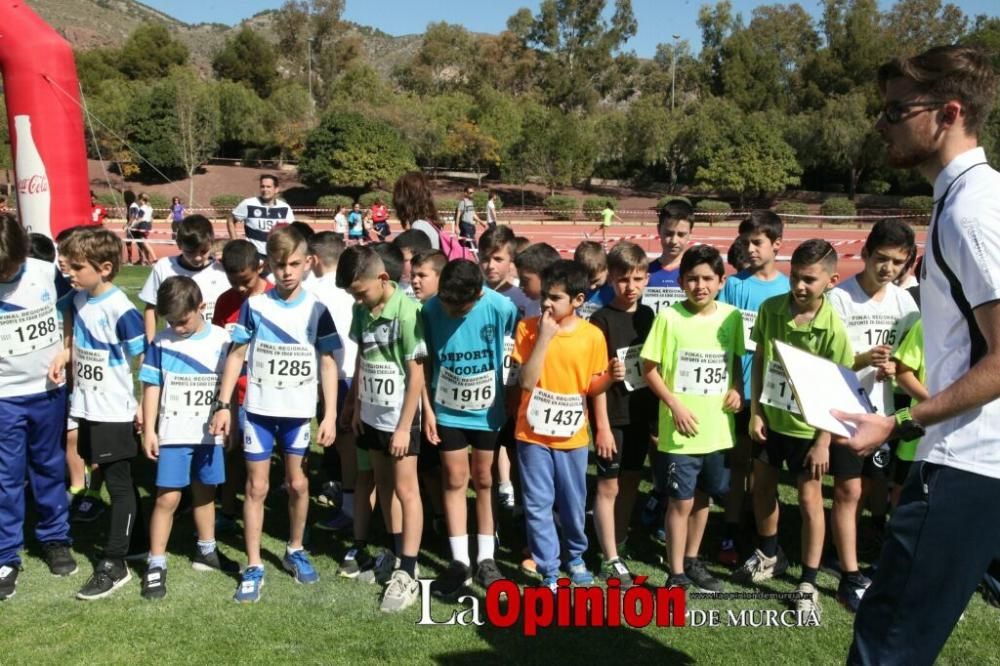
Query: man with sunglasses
(946,529)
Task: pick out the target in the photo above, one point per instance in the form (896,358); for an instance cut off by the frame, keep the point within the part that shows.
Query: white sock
(484,547)
(506,488)
(289,550)
(348,506)
(460,548)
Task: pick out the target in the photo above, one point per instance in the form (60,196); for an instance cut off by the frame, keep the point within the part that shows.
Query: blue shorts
(260,433)
(707,472)
(179,464)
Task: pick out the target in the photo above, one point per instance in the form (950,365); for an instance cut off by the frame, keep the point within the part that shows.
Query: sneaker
(331,494)
(8,580)
(487,573)
(89,509)
(59,559)
(551,582)
(616,569)
(727,554)
(381,570)
(759,567)
(579,573)
(401,592)
(300,567)
(679,580)
(506,500)
(154,583)
(703,581)
(452,581)
(248,591)
(339,522)
(225,524)
(660,535)
(850,591)
(808,601)
(355,561)
(214,561)
(106,579)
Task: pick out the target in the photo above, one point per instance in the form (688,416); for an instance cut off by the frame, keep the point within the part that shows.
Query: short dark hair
(304,229)
(194,232)
(625,257)
(495,239)
(590,254)
(413,239)
(327,246)
(813,251)
(762,221)
(461,282)
(14,244)
(738,255)
(268,176)
(675,209)
(240,255)
(42,247)
(945,73)
(358,262)
(436,258)
(392,259)
(177,296)
(536,257)
(570,275)
(891,233)
(702,254)
(521,243)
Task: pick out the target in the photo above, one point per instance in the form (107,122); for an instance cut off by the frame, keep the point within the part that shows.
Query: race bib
(777,392)
(209,312)
(555,414)
(661,298)
(511,368)
(189,396)
(701,373)
(283,365)
(382,384)
(634,377)
(89,368)
(749,319)
(465,393)
(25,331)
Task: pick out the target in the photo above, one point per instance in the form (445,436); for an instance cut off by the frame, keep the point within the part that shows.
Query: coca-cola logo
(34,185)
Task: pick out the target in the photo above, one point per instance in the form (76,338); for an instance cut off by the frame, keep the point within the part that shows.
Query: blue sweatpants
(553,477)
(31,437)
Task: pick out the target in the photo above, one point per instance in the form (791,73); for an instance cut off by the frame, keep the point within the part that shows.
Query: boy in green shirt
(802,318)
(693,365)
(911,376)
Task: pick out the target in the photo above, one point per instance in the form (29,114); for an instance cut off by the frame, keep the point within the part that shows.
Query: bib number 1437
(555,414)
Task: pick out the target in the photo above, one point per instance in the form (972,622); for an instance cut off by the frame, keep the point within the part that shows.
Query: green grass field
(338,621)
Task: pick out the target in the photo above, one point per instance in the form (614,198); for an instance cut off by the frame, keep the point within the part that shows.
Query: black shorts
(377,440)
(99,443)
(458,439)
(900,470)
(505,437)
(785,449)
(846,464)
(743,446)
(429,458)
(631,447)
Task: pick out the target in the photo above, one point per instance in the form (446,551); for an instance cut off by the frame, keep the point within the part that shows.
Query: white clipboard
(820,385)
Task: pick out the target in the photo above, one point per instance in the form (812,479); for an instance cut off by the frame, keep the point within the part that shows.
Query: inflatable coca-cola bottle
(34,201)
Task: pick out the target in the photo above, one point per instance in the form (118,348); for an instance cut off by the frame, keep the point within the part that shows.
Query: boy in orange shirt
(564,361)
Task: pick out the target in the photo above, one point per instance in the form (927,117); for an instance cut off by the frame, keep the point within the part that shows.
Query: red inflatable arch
(45,120)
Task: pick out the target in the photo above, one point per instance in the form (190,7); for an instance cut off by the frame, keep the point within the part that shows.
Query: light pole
(673,70)
(309,64)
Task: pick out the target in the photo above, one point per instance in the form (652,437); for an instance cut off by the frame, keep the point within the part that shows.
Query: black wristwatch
(220,405)
(906,428)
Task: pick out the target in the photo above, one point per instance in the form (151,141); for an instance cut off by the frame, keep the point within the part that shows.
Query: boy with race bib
(387,391)
(564,361)
(623,415)
(465,327)
(692,364)
(746,290)
(180,377)
(287,338)
(804,319)
(591,255)
(676,222)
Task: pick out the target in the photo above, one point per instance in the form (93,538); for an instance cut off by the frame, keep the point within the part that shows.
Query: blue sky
(658,19)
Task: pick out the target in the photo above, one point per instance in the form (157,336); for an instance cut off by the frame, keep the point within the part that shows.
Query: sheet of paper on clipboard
(821,385)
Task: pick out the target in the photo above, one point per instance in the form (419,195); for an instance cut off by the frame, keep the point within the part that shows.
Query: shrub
(108,200)
(331,201)
(225,201)
(480,199)
(445,208)
(368,198)
(837,206)
(561,207)
(792,208)
(875,187)
(592,206)
(713,206)
(158,201)
(921,203)
(671,197)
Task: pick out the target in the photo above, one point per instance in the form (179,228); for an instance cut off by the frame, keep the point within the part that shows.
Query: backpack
(453,248)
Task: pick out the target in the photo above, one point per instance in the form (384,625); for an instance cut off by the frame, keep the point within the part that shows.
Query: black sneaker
(355,561)
(89,509)
(8,580)
(154,583)
(452,581)
(487,573)
(679,580)
(108,577)
(59,559)
(703,581)
(214,561)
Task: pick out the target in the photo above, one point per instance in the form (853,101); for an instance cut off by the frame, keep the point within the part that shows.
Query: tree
(443,61)
(152,128)
(914,26)
(554,146)
(845,138)
(289,118)
(109,109)
(197,114)
(350,150)
(247,58)
(243,117)
(150,51)
(468,143)
(297,23)
(94,66)
(653,133)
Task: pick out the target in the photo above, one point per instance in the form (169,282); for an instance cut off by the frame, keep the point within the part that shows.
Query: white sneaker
(401,592)
(808,601)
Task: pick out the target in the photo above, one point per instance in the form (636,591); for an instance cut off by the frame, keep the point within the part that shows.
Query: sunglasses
(895,112)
